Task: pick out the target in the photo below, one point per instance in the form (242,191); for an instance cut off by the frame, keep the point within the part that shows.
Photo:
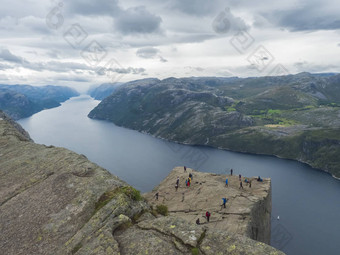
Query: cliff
(54,201)
(247,210)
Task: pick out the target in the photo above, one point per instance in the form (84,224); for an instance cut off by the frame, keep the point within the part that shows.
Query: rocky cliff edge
(54,201)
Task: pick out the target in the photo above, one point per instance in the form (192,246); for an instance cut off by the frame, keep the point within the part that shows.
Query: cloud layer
(44,42)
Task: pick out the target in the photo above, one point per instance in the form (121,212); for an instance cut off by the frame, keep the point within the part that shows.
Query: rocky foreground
(54,201)
(247,210)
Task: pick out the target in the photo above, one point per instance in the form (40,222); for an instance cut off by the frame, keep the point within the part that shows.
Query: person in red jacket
(207,214)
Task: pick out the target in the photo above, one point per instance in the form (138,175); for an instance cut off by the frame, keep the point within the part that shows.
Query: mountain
(294,116)
(103,90)
(20,101)
(54,201)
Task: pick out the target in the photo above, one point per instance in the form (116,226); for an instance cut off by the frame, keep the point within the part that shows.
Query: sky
(81,43)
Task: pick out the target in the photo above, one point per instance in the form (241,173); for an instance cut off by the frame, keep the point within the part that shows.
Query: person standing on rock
(239,177)
(249,183)
(177,181)
(241,185)
(176,186)
(190,176)
(226,182)
(224,202)
(185,168)
(231,172)
(207,214)
(156,196)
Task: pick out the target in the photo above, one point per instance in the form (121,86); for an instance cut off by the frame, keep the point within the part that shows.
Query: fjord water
(307,200)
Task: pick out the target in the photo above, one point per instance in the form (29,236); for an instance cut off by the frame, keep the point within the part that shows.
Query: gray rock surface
(247,210)
(54,201)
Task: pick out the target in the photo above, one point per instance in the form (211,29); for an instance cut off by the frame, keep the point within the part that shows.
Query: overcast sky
(86,42)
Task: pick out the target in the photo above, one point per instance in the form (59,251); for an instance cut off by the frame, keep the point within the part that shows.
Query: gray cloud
(311,15)
(129,70)
(6,55)
(195,7)
(147,52)
(150,53)
(137,20)
(225,22)
(90,7)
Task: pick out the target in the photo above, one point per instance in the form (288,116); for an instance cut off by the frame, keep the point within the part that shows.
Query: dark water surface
(307,200)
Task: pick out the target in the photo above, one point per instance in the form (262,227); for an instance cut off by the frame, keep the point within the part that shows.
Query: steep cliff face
(247,210)
(54,201)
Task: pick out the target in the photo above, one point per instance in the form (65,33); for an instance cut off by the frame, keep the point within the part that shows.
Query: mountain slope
(20,101)
(295,116)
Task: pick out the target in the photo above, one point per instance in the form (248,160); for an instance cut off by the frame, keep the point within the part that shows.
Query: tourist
(231,171)
(241,185)
(239,177)
(190,175)
(226,182)
(224,202)
(259,179)
(176,186)
(156,196)
(249,183)
(177,181)
(186,183)
(185,168)
(207,214)
(198,221)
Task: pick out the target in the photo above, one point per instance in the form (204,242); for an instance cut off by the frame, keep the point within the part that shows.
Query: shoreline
(222,149)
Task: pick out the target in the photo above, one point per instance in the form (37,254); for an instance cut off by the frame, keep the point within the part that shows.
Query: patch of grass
(194,251)
(76,248)
(129,191)
(132,193)
(272,111)
(104,199)
(162,209)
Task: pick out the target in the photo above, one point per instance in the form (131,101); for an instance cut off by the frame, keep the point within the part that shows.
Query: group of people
(224,200)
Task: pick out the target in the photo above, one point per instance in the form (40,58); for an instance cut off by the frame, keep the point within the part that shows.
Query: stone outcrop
(54,201)
(247,210)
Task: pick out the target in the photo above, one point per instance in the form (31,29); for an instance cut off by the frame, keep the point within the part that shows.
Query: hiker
(176,186)
(177,181)
(189,182)
(185,168)
(226,182)
(259,179)
(246,181)
(156,195)
(239,177)
(207,214)
(186,183)
(231,171)
(241,185)
(224,202)
(249,183)
(189,179)
(190,176)
(198,221)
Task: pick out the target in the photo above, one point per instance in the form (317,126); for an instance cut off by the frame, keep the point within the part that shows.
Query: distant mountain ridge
(20,101)
(294,116)
(103,90)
